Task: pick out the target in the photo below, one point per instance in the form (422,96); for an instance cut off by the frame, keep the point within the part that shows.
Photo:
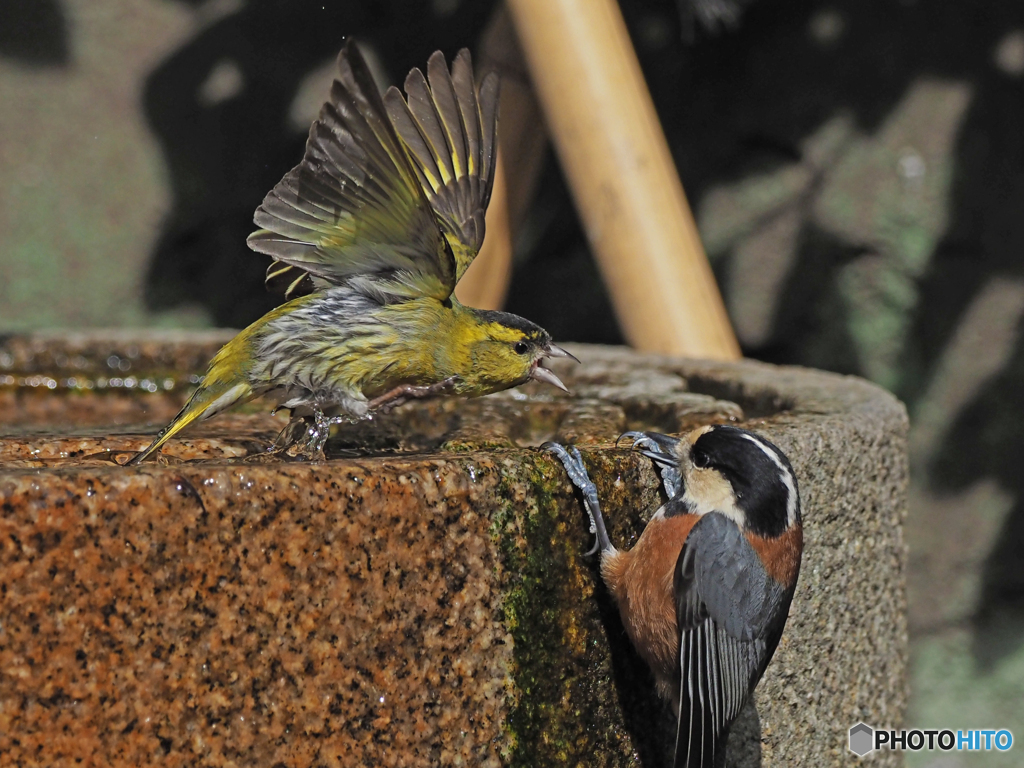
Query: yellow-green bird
(379,221)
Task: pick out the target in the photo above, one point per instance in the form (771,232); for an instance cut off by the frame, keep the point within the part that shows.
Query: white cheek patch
(707,490)
(784,473)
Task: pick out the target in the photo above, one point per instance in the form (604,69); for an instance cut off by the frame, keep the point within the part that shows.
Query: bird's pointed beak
(543,374)
(655,446)
(552,350)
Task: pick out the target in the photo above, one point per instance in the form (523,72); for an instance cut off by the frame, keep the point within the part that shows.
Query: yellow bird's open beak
(553,351)
(543,374)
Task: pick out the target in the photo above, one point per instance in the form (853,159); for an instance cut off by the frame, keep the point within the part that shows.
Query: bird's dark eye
(701,460)
(521,347)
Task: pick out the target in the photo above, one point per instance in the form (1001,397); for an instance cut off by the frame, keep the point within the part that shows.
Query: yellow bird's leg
(400,394)
(318,429)
(293,432)
(309,434)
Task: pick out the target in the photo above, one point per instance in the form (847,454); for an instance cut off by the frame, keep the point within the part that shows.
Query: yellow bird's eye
(521,347)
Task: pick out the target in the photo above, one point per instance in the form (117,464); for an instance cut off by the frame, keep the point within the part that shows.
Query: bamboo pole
(611,146)
(522,139)
(486,281)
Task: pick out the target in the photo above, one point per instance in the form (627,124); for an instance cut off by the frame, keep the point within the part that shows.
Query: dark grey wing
(449,127)
(353,211)
(725,602)
(730,579)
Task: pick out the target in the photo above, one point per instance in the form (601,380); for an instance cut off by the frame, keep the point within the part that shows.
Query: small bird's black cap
(532,331)
(760,474)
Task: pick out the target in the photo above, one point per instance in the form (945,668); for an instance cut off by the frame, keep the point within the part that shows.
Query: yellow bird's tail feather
(227,381)
(205,402)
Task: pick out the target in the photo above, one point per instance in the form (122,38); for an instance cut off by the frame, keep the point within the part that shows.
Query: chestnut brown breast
(641,580)
(781,555)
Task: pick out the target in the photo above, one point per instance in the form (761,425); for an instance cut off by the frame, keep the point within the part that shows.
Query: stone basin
(423,596)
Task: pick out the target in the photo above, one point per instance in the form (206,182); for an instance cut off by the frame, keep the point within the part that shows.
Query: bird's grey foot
(577,471)
(405,392)
(660,451)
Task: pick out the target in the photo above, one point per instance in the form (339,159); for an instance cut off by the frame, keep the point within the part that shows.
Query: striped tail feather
(701,735)
(204,403)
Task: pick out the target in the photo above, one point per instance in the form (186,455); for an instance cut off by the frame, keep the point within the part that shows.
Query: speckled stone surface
(422,597)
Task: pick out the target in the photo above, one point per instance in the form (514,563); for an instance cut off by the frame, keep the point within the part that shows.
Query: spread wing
(353,211)
(725,602)
(450,129)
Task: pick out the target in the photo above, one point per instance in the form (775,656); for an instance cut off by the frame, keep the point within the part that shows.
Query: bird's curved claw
(661,449)
(654,445)
(318,429)
(292,433)
(577,471)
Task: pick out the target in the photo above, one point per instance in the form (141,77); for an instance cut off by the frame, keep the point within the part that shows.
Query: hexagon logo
(862,739)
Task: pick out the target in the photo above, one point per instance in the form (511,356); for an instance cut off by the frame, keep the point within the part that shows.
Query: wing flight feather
(355,206)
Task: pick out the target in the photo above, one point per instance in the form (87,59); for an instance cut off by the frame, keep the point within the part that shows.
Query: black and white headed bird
(705,593)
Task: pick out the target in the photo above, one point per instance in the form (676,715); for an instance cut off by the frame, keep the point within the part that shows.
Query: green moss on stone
(569,691)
